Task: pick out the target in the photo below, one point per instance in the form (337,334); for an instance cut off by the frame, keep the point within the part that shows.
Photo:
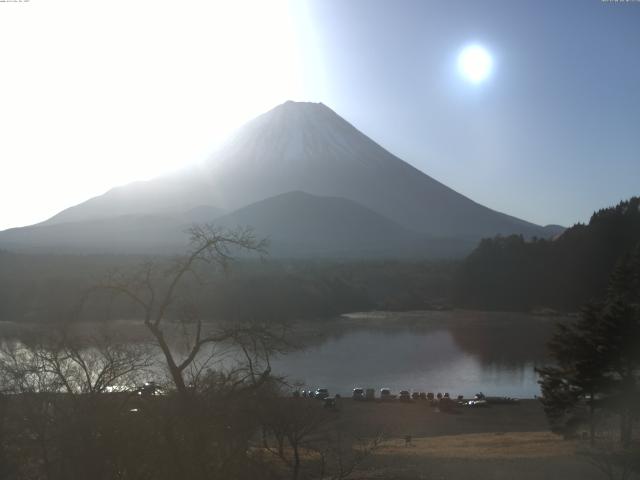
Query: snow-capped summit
(308,147)
(300,131)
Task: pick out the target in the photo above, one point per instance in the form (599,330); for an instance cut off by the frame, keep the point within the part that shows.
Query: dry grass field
(500,442)
(484,446)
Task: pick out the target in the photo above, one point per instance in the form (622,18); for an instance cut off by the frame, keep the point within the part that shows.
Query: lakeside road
(489,443)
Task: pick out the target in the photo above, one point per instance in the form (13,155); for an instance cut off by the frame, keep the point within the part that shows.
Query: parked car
(405,396)
(321,393)
(358,393)
(415,396)
(385,394)
(423,396)
(477,403)
(149,389)
(370,394)
(117,389)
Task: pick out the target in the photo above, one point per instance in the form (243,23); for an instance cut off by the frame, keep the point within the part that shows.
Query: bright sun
(475,63)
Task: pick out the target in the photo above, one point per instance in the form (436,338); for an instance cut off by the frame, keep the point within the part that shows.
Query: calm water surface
(455,352)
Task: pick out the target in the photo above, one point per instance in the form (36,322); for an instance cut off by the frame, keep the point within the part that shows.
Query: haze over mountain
(298,224)
(295,147)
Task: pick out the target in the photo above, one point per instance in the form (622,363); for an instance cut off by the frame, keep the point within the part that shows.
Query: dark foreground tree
(571,386)
(597,358)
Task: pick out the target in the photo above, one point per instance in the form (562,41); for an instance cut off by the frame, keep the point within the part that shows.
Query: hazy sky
(94,94)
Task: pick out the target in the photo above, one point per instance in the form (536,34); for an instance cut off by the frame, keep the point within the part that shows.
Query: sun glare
(475,63)
(112,104)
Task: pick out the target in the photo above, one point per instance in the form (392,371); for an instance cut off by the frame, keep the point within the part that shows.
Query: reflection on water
(459,352)
(494,356)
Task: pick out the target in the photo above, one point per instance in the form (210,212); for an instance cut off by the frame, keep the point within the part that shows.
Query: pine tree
(577,379)
(597,357)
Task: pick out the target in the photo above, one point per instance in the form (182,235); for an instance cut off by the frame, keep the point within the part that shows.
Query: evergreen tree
(597,357)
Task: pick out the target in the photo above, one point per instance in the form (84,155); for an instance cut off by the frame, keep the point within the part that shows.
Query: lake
(459,352)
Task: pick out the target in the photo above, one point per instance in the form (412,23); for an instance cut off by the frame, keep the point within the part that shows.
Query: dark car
(149,389)
(405,396)
(321,393)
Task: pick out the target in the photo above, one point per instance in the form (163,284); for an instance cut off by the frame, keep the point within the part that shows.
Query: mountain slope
(303,225)
(298,225)
(308,147)
(161,196)
(122,234)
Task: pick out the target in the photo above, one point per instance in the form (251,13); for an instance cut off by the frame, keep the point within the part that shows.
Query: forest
(47,288)
(515,274)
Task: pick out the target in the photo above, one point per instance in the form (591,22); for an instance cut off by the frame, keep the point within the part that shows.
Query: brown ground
(497,442)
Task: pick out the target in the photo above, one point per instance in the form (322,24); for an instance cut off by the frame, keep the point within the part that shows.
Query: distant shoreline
(378,319)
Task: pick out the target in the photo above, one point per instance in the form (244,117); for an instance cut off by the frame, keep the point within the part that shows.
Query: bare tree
(309,440)
(64,420)
(216,368)
(340,455)
(157,291)
(293,424)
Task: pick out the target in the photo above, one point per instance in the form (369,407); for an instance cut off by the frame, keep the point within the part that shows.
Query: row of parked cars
(385,394)
(403,396)
(319,393)
(370,394)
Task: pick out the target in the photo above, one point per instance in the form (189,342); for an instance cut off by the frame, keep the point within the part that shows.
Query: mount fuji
(300,154)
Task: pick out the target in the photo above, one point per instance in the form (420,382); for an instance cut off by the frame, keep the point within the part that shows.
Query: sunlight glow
(475,63)
(98,94)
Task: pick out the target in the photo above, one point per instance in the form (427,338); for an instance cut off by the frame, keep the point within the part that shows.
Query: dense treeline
(47,288)
(510,273)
